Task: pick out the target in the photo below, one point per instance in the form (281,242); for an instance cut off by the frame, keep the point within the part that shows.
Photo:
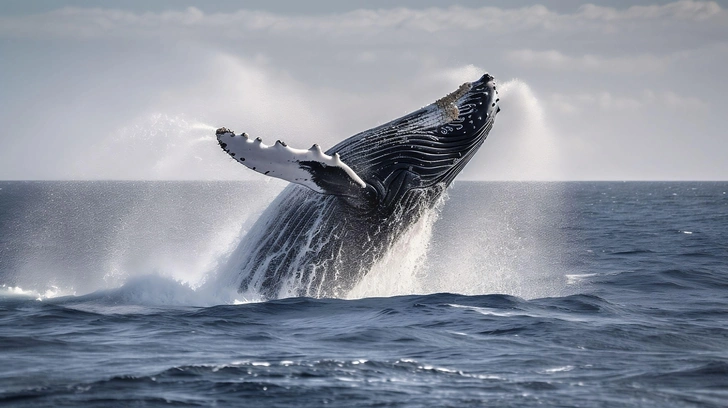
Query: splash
(510,245)
(495,238)
(157,147)
(149,232)
(162,243)
(77,237)
(16,291)
(400,271)
(523,146)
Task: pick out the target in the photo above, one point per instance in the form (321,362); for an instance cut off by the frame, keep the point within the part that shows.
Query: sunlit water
(509,294)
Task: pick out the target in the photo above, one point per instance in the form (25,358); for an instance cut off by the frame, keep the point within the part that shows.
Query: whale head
(426,149)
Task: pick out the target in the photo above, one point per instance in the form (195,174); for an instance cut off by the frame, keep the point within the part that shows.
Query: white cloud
(556,60)
(576,103)
(675,101)
(683,9)
(461,74)
(608,101)
(91,23)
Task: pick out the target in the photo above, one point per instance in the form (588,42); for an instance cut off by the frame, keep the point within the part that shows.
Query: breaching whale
(346,206)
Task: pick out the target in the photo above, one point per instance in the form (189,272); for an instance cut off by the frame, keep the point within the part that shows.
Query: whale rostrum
(348,205)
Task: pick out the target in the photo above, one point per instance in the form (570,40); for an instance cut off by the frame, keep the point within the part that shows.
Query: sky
(607,90)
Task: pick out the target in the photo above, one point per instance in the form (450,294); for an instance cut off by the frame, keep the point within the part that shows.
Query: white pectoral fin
(311,168)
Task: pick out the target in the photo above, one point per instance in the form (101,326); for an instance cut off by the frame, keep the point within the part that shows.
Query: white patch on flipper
(280,160)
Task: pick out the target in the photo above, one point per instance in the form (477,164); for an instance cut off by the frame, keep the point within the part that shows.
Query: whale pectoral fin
(311,168)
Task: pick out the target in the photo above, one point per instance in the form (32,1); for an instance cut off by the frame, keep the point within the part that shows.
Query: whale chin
(350,203)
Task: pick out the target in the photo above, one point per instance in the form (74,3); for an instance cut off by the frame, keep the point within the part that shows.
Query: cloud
(673,100)
(605,101)
(460,74)
(555,60)
(91,23)
(608,101)
(684,9)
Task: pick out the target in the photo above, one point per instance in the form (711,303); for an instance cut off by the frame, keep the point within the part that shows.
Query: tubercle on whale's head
(490,83)
(486,91)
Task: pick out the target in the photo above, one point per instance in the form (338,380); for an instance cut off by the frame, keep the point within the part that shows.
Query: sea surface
(583,294)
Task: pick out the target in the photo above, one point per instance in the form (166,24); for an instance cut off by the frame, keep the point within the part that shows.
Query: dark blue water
(570,294)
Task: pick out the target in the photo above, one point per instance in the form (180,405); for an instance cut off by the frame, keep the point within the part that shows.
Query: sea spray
(80,237)
(523,146)
(157,147)
(400,270)
(509,243)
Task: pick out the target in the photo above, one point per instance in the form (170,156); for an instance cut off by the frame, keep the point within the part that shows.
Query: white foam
(487,311)
(399,271)
(17,291)
(574,279)
(557,369)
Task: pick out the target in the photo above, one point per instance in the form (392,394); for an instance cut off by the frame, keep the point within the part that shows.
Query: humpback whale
(347,205)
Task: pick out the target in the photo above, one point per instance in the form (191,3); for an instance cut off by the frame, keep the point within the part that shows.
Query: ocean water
(508,295)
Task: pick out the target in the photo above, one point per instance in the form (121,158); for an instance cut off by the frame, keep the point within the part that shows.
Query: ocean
(576,294)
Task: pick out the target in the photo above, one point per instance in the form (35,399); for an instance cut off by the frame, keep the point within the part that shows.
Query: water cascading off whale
(348,205)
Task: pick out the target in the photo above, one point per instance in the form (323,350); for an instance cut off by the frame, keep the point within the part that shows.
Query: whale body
(347,206)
